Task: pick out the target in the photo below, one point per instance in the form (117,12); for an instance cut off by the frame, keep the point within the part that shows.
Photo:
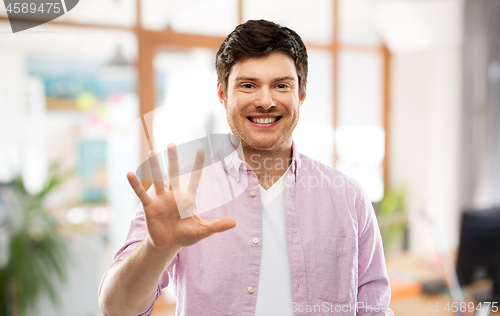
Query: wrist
(167,251)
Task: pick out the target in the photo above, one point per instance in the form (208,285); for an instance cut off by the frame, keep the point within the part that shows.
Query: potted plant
(392,218)
(36,253)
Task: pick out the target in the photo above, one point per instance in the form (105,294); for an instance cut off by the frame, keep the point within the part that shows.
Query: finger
(220,225)
(156,173)
(173,166)
(138,189)
(197,171)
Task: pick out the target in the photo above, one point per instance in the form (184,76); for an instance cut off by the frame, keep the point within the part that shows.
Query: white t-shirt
(274,294)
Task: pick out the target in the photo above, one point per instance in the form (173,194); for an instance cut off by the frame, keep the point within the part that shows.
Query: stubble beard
(250,144)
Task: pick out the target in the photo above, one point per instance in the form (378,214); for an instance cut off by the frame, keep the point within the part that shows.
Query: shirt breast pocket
(337,268)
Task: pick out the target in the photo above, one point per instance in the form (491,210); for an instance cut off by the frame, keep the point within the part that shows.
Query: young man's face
(262,101)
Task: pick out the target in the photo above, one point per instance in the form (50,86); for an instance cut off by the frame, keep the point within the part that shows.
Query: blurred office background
(402,95)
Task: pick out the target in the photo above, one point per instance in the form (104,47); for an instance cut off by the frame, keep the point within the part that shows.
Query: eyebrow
(242,78)
(286,78)
(245,79)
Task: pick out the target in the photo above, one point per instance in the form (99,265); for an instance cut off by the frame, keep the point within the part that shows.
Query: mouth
(264,120)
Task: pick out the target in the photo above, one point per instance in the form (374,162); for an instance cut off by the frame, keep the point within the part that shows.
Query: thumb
(220,225)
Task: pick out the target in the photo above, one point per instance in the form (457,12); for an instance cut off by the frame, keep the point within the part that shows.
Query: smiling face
(262,101)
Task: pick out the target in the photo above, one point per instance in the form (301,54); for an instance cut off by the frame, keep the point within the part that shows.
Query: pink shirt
(337,263)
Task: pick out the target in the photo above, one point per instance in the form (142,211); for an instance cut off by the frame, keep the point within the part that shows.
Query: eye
(281,86)
(247,86)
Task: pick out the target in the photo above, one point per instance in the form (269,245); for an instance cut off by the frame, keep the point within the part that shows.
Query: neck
(268,165)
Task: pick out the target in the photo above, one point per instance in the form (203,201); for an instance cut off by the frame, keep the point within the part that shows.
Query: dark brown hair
(259,38)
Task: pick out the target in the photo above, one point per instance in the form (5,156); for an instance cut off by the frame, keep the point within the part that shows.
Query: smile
(264,120)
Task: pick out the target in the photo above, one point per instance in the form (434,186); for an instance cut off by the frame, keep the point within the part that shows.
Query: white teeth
(264,120)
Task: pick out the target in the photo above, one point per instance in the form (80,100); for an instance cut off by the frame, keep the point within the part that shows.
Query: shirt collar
(233,165)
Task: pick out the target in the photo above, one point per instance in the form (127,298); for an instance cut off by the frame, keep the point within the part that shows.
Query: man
(306,240)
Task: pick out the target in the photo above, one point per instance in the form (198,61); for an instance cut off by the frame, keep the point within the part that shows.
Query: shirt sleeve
(374,292)
(137,233)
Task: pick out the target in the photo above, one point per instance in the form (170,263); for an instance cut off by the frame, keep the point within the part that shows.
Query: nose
(265,99)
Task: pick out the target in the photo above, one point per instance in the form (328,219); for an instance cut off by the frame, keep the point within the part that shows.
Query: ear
(221,95)
(302,97)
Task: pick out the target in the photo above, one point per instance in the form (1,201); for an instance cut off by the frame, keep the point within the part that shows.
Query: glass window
(296,14)
(356,23)
(360,137)
(360,88)
(314,132)
(208,17)
(108,12)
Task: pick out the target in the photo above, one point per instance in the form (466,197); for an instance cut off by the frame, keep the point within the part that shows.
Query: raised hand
(167,229)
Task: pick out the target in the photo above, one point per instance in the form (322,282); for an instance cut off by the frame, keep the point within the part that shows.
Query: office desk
(408,271)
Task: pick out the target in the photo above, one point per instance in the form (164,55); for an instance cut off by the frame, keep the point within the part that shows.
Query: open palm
(172,215)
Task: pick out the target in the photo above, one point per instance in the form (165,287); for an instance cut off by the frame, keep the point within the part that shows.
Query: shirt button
(245,167)
(250,290)
(235,175)
(255,240)
(252,193)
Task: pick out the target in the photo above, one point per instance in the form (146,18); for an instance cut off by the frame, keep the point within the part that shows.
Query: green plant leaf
(38,256)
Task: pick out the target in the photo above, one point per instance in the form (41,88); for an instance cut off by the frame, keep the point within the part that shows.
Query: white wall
(425,119)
